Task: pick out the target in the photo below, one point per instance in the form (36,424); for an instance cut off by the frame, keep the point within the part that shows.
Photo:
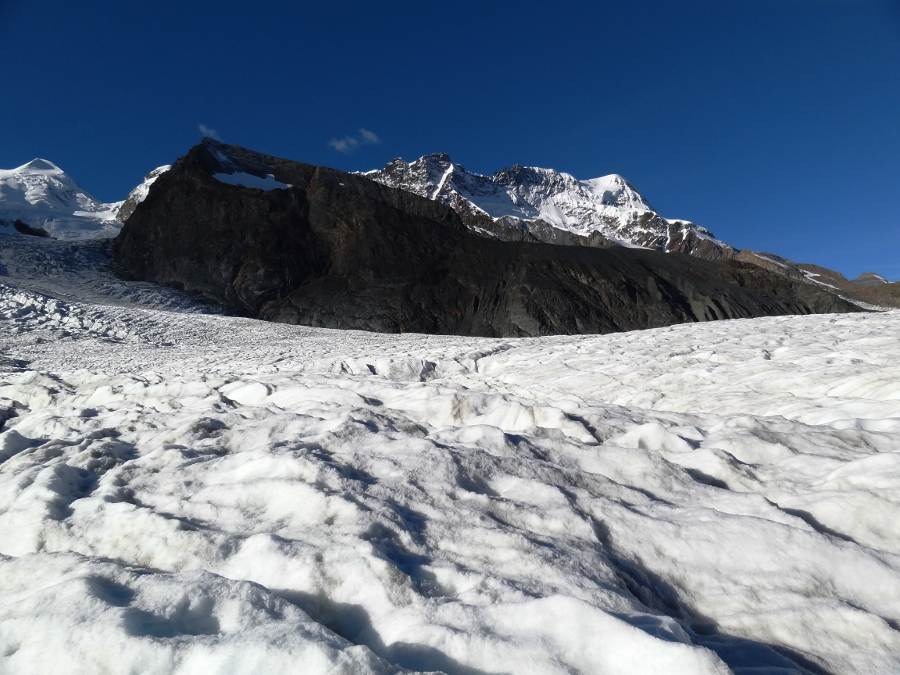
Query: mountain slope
(43,196)
(543,205)
(342,251)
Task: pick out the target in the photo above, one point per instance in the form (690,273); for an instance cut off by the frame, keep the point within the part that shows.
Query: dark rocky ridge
(341,251)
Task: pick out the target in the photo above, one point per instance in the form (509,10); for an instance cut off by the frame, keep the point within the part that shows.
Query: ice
(186,492)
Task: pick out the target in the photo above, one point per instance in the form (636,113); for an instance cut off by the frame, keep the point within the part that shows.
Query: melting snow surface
(184,492)
(251,181)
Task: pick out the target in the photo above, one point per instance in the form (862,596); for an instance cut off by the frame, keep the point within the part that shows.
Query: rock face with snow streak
(339,250)
(43,196)
(553,207)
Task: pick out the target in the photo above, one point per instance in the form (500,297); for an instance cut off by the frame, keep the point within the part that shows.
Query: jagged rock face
(342,251)
(554,207)
(541,205)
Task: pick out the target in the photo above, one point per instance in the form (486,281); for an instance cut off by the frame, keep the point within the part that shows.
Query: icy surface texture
(191,493)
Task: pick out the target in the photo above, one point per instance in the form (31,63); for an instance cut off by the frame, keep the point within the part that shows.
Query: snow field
(199,493)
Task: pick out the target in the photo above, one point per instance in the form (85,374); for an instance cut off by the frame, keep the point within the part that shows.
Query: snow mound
(139,193)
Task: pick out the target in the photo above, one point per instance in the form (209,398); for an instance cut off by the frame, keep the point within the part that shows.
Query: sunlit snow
(185,492)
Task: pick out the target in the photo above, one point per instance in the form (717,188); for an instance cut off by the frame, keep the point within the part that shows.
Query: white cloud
(348,144)
(369,137)
(207,131)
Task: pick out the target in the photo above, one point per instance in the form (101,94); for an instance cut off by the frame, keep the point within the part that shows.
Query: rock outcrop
(339,250)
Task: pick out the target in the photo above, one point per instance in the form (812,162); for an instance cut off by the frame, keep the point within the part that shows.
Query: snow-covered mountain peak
(40,182)
(44,196)
(614,190)
(38,164)
(519,196)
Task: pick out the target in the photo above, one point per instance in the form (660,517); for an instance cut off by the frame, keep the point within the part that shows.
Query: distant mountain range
(534,204)
(513,204)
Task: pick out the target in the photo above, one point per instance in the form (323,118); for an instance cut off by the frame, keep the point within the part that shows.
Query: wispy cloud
(369,137)
(207,131)
(348,144)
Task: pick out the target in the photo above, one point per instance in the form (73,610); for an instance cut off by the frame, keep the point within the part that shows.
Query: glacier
(187,492)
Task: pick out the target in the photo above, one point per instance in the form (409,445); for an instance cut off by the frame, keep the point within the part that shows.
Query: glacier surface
(186,492)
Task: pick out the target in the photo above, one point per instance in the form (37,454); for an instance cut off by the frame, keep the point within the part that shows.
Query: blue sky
(774,123)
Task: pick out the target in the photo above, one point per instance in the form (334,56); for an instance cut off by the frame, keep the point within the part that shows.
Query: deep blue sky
(774,123)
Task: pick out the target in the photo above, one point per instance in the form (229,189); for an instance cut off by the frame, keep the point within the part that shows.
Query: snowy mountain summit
(43,196)
(532,198)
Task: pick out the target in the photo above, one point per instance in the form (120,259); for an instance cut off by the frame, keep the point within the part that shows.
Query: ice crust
(185,492)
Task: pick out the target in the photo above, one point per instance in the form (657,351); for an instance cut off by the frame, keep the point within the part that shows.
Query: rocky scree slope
(339,250)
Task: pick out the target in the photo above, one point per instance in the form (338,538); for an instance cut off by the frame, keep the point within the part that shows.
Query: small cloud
(348,144)
(369,137)
(212,133)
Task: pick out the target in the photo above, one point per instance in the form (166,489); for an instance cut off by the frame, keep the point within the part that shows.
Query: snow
(251,181)
(43,196)
(609,205)
(186,492)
